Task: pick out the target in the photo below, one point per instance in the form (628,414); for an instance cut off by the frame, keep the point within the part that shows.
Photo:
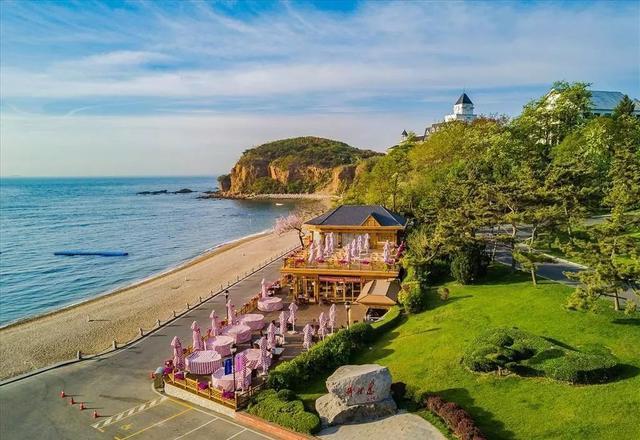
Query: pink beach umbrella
(197,337)
(332,317)
(348,254)
(293,308)
(307,334)
(327,245)
(230,308)
(322,327)
(353,249)
(359,244)
(263,288)
(178,356)
(265,358)
(240,368)
(385,254)
(215,323)
(271,336)
(283,324)
(311,254)
(366,243)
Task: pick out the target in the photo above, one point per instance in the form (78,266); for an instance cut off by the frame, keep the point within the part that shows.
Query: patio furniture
(222,381)
(203,362)
(270,304)
(222,344)
(255,321)
(240,333)
(253,357)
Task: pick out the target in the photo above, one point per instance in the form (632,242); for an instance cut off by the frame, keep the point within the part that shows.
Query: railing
(335,264)
(239,401)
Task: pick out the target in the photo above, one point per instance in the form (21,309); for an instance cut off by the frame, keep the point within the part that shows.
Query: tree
(529,260)
(291,222)
(626,106)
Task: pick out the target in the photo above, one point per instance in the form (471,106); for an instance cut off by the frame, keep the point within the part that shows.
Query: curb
(143,335)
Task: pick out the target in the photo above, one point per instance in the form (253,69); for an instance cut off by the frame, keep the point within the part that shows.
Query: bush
(469,263)
(531,355)
(443,293)
(630,308)
(413,298)
(456,418)
(277,407)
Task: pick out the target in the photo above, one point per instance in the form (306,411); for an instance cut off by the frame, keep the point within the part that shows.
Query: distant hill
(297,165)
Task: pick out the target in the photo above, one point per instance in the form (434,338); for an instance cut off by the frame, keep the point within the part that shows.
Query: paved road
(118,384)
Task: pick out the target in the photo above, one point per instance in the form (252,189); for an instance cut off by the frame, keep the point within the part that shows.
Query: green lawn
(425,351)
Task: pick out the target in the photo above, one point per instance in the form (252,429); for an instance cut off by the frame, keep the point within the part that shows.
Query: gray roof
(463,99)
(355,215)
(604,100)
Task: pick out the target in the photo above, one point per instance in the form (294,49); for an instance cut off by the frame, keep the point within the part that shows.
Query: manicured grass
(425,352)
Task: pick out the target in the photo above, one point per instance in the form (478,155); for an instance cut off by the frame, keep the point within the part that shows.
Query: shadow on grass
(427,330)
(626,321)
(624,372)
(559,343)
(436,302)
(490,426)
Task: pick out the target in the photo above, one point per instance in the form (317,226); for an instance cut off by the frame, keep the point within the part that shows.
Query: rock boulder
(333,410)
(359,384)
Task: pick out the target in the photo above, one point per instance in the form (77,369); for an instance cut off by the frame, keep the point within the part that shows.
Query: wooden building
(335,278)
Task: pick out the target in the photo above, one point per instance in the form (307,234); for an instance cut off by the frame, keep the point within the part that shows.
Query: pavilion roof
(379,293)
(356,215)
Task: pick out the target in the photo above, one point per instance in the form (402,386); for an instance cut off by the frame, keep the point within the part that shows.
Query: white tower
(462,110)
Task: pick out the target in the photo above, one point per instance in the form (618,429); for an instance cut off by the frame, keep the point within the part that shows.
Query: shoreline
(91,325)
(279,196)
(210,252)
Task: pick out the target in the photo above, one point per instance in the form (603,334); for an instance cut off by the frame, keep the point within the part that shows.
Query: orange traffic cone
(73,402)
(95,414)
(62,394)
(81,406)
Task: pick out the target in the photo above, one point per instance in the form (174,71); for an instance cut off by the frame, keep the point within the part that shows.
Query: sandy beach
(92,326)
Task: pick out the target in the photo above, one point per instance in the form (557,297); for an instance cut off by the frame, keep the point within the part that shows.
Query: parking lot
(166,418)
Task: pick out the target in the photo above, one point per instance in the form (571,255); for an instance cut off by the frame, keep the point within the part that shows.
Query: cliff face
(298,165)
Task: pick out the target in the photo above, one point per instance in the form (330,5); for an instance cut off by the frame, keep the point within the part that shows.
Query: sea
(41,216)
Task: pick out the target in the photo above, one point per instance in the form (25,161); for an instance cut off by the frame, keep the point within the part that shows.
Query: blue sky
(138,88)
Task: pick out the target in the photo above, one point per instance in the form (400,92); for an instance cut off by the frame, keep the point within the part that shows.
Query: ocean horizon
(43,215)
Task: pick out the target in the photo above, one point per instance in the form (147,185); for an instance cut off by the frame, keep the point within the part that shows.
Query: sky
(182,88)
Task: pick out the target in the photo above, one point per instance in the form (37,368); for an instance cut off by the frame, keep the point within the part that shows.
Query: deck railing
(335,264)
(240,400)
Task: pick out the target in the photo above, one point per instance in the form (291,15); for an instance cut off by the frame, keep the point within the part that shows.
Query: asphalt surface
(118,384)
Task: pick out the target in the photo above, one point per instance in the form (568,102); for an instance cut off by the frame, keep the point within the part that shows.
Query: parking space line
(156,424)
(236,434)
(195,429)
(128,413)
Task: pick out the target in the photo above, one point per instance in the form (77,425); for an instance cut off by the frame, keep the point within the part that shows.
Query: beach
(91,326)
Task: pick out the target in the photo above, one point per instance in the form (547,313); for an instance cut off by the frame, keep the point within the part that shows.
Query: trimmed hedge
(327,355)
(530,355)
(278,407)
(456,418)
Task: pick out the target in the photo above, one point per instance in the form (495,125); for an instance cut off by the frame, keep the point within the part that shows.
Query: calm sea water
(41,216)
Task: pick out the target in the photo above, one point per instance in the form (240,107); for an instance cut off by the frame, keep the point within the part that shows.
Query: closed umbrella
(385,254)
(178,356)
(322,325)
(271,336)
(366,243)
(215,323)
(311,254)
(263,288)
(229,313)
(197,337)
(359,244)
(353,249)
(293,308)
(265,357)
(283,324)
(332,317)
(240,367)
(307,334)
(348,254)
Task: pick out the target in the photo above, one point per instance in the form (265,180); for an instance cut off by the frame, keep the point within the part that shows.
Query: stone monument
(357,393)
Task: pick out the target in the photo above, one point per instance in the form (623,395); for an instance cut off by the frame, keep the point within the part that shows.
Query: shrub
(286,395)
(531,355)
(413,298)
(630,308)
(456,418)
(276,407)
(469,263)
(443,293)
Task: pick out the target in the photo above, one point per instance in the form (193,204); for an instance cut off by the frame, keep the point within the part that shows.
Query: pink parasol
(265,357)
(366,242)
(230,308)
(359,244)
(353,249)
(318,252)
(293,308)
(240,367)
(271,336)
(283,324)
(307,334)
(385,254)
(263,288)
(332,317)
(311,254)
(327,245)
(348,254)
(215,323)
(178,356)
(322,328)
(197,337)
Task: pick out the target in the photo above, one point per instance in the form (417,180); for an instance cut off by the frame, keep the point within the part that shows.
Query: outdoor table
(270,304)
(222,344)
(203,362)
(255,321)
(239,332)
(253,357)
(222,381)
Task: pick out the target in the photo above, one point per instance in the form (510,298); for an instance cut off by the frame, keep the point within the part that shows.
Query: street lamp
(226,301)
(347,307)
